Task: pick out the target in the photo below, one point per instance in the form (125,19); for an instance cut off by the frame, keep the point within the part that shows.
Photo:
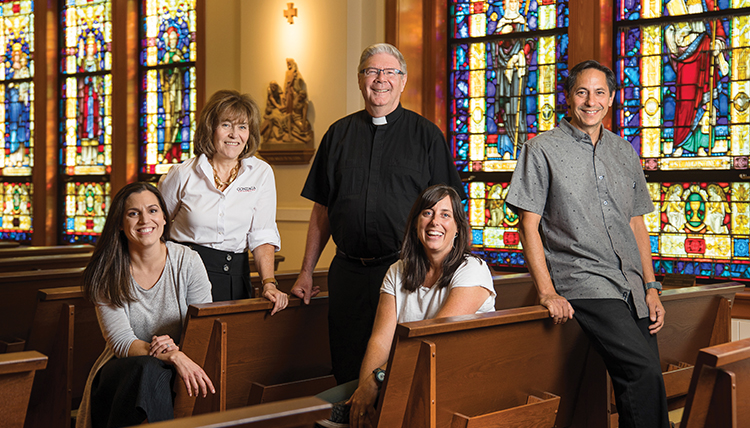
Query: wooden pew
(65,327)
(251,355)
(697,317)
(26,250)
(514,290)
(741,308)
(46,262)
(16,376)
(720,388)
(19,291)
(9,244)
(295,413)
(480,369)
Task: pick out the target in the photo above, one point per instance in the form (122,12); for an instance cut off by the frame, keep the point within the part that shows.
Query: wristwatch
(654,284)
(379,375)
(271,280)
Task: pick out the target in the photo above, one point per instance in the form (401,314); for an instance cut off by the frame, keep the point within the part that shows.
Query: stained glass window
(685,84)
(682,102)
(16,215)
(168,97)
(86,207)
(17,111)
(508,61)
(85,114)
(701,228)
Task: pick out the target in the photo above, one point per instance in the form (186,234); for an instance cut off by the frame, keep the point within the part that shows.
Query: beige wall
(248,42)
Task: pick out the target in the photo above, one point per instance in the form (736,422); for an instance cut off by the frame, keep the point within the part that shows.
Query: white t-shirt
(425,303)
(240,218)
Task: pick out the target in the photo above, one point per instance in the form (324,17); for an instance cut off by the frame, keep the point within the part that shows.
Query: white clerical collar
(379,120)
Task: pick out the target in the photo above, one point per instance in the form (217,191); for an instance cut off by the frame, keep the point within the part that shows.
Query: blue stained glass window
(505,86)
(682,102)
(17,125)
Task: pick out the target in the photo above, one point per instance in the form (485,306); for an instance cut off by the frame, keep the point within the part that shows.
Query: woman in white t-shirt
(435,277)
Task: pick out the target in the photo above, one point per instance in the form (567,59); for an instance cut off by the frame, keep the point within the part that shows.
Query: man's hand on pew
(559,308)
(656,310)
(162,344)
(304,289)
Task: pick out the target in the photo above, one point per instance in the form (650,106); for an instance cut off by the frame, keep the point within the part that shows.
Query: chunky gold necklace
(232,175)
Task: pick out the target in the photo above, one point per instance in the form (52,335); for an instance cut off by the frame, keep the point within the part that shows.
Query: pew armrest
(16,362)
(536,412)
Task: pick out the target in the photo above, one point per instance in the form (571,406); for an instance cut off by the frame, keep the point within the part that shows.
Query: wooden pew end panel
(216,369)
(285,391)
(17,371)
(537,412)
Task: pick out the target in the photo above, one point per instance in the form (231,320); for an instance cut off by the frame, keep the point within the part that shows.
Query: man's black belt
(370,261)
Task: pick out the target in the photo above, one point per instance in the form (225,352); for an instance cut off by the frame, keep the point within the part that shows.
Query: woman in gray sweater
(142,286)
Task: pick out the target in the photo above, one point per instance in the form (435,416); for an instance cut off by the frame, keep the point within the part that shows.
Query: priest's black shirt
(369,176)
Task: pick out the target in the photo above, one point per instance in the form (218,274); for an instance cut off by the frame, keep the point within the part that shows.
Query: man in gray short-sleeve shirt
(580,193)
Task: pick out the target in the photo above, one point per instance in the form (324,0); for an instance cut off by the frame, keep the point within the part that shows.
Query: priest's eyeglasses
(387,72)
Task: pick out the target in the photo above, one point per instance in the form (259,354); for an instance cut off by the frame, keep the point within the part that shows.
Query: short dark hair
(416,264)
(106,278)
(570,82)
(237,107)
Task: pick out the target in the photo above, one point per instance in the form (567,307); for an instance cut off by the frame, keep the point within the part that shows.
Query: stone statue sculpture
(285,118)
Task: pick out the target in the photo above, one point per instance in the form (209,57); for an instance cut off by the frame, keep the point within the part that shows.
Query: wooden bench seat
(45,262)
(477,369)
(719,393)
(44,250)
(17,371)
(241,346)
(697,317)
(514,290)
(65,327)
(741,308)
(462,370)
(295,413)
(19,294)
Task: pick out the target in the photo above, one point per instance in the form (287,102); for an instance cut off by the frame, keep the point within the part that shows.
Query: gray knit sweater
(157,311)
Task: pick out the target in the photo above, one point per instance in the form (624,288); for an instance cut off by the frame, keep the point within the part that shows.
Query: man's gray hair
(382,48)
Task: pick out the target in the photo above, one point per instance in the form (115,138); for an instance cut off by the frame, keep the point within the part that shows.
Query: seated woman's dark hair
(107,276)
(416,264)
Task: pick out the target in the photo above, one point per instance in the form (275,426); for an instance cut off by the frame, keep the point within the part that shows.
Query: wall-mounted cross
(290,12)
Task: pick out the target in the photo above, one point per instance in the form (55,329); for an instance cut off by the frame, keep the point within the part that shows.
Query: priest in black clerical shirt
(368,171)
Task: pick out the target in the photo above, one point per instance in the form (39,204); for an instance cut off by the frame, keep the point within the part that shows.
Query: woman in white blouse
(435,277)
(223,201)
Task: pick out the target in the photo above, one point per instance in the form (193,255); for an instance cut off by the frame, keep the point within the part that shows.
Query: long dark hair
(107,276)
(416,264)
